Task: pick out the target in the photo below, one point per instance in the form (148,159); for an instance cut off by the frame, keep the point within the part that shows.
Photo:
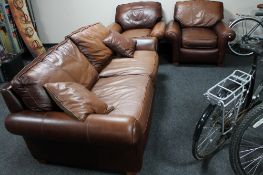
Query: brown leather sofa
(197,33)
(139,19)
(113,141)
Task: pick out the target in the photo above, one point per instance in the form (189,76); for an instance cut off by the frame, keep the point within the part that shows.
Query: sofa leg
(130,173)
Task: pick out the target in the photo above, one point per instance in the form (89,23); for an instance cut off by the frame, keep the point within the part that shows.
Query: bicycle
(231,100)
(246,28)
(246,146)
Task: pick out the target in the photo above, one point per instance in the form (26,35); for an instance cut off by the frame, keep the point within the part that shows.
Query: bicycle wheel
(208,137)
(246,29)
(246,146)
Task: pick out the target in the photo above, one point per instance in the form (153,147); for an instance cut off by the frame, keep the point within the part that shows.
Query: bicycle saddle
(260,6)
(256,47)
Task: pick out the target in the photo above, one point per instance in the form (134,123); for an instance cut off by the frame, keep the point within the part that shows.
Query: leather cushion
(75,100)
(138,15)
(120,44)
(63,63)
(198,13)
(135,33)
(199,38)
(131,95)
(144,63)
(89,40)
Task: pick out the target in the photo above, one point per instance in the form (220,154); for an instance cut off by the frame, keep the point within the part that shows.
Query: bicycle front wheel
(246,148)
(246,29)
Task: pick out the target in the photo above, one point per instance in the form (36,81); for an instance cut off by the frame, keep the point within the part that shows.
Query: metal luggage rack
(233,87)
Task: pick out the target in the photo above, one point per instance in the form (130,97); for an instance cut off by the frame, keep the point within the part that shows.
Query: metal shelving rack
(8,25)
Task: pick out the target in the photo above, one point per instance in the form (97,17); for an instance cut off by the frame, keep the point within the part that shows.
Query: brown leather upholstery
(135,33)
(54,66)
(138,15)
(143,63)
(76,100)
(113,141)
(139,19)
(198,13)
(89,40)
(198,38)
(146,43)
(197,33)
(120,44)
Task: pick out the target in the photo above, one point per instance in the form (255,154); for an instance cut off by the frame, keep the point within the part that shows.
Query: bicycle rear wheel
(208,138)
(246,148)
(246,29)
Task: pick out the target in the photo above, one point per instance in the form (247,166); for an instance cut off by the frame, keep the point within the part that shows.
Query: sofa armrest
(146,43)
(97,129)
(115,27)
(224,32)
(173,31)
(12,103)
(158,30)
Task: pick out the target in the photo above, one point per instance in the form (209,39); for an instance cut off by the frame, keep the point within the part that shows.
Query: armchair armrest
(115,27)
(173,31)
(97,129)
(158,30)
(11,100)
(225,34)
(223,31)
(173,34)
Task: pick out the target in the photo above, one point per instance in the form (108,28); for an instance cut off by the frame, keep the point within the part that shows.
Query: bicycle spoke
(250,142)
(247,152)
(257,160)
(207,137)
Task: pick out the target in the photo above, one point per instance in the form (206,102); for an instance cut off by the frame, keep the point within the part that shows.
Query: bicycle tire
(239,162)
(208,115)
(238,50)
(197,134)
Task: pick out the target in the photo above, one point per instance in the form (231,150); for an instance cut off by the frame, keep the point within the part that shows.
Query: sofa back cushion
(138,15)
(62,63)
(89,40)
(198,13)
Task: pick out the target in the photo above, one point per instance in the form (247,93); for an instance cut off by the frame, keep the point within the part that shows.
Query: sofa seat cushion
(199,38)
(143,63)
(134,33)
(63,63)
(131,95)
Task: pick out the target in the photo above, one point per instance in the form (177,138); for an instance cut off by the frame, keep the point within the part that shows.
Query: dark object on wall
(10,64)
(25,27)
(197,33)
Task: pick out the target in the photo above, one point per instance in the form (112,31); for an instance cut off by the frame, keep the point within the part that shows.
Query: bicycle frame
(241,94)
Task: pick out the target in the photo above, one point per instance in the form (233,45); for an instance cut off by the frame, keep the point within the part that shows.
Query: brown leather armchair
(139,19)
(197,33)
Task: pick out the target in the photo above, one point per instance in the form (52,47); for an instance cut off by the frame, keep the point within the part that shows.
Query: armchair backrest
(138,15)
(198,13)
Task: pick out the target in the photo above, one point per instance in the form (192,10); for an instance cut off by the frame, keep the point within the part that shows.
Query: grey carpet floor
(177,106)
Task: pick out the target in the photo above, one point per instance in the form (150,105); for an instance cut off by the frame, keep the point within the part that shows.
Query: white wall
(57,18)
